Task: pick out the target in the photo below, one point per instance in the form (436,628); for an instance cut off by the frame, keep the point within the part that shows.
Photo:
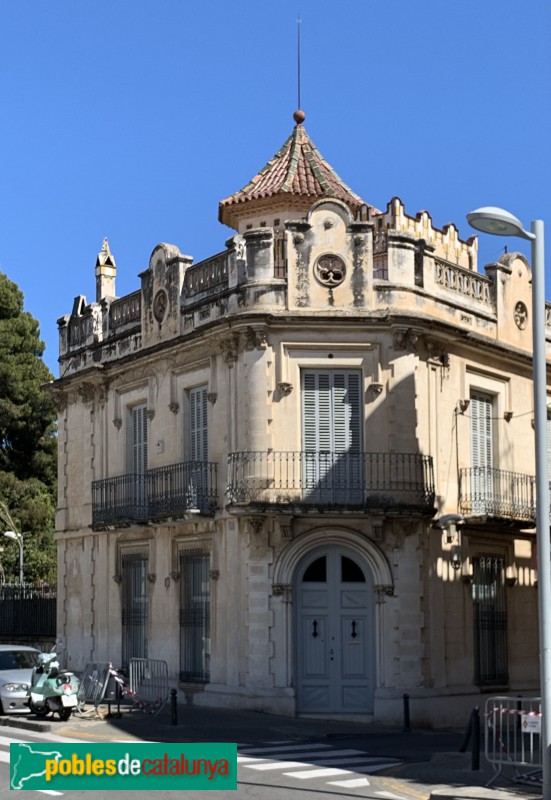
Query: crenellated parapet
(332,261)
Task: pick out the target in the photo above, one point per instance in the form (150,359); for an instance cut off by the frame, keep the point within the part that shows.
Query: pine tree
(27,441)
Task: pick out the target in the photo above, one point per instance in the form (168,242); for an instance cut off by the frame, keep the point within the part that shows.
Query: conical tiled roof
(298,171)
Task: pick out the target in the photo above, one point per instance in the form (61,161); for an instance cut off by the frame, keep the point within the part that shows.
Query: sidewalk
(432,765)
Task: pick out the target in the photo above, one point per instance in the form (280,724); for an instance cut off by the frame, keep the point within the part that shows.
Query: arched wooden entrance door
(334,632)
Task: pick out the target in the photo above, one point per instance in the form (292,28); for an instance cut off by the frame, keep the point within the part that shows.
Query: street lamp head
(497,221)
(11,535)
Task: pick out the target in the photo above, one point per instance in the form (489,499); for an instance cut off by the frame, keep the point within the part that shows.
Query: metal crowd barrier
(512,737)
(93,684)
(148,683)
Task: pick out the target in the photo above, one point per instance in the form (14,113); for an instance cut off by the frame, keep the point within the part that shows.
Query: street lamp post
(19,539)
(502,223)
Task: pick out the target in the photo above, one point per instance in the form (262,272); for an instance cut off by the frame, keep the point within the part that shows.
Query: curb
(26,724)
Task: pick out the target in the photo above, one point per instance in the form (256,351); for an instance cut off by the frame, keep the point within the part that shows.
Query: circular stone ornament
(330,270)
(521,315)
(160,304)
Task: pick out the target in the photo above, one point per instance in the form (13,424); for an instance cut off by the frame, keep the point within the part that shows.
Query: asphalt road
(340,768)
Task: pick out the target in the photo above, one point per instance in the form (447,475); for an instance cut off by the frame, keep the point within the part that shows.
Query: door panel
(335,635)
(314,629)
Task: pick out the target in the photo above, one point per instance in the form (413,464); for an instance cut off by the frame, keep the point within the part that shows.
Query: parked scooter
(52,689)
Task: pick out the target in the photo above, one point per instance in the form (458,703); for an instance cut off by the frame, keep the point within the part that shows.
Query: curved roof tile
(297,169)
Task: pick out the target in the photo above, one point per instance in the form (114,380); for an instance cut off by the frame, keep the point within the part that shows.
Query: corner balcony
(294,482)
(178,490)
(497,493)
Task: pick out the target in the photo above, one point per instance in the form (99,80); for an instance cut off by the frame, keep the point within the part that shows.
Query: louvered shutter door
(332,427)
(198,424)
(139,440)
(549,447)
(198,436)
(481,452)
(139,460)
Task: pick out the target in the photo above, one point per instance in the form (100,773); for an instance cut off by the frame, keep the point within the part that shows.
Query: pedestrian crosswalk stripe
(324,772)
(276,765)
(249,751)
(4,757)
(351,783)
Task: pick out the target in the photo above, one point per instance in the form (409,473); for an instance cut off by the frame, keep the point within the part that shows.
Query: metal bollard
(475,752)
(407,726)
(173,707)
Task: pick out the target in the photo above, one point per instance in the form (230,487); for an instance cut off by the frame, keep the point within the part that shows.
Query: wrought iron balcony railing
(386,481)
(497,493)
(172,491)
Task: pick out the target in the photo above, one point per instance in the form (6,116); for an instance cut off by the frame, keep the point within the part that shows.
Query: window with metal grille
(490,621)
(134,607)
(194,616)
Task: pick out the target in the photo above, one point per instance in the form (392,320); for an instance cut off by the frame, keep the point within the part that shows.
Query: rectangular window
(490,621)
(332,415)
(482,447)
(134,607)
(194,616)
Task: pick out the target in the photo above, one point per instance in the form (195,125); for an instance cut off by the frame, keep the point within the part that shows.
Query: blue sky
(131,119)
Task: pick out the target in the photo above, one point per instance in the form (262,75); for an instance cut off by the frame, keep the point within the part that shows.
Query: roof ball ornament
(299,116)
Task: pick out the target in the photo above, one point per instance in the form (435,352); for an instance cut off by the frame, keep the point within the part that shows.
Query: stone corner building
(253,451)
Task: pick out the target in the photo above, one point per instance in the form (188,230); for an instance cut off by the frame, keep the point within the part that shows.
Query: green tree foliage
(27,441)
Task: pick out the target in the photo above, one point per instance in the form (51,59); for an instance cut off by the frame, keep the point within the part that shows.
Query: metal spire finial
(299,116)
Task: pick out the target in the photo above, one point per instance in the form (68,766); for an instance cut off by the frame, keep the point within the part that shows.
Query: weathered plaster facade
(185,432)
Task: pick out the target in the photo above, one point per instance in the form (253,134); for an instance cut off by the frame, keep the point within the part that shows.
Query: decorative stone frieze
(406,338)
(283,590)
(255,524)
(86,392)
(230,346)
(382,592)
(375,389)
(380,243)
(256,339)
(60,398)
(285,388)
(437,353)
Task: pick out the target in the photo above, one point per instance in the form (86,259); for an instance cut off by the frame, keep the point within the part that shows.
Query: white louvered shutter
(198,430)
(481,451)
(139,440)
(332,419)
(138,486)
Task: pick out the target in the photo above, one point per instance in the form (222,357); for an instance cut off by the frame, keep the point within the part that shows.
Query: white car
(16,667)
